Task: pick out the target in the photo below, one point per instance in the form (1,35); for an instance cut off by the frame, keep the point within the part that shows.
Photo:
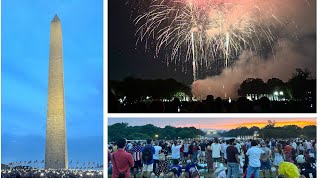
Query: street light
(276,93)
(156,136)
(281,93)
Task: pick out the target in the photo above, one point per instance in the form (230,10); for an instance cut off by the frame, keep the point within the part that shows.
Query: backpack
(147,154)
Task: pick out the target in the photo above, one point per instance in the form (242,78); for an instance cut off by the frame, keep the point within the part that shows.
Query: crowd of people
(49,173)
(216,158)
(211,105)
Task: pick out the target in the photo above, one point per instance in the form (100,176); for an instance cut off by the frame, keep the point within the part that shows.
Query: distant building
(277,96)
(212,132)
(254,136)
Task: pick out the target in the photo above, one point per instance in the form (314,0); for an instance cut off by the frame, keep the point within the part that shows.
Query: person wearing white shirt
(224,146)
(157,149)
(294,145)
(300,158)
(254,154)
(175,149)
(216,152)
(129,146)
(308,146)
(185,151)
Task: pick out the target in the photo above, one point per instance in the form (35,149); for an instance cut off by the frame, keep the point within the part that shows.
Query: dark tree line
(149,131)
(301,86)
(271,131)
(136,89)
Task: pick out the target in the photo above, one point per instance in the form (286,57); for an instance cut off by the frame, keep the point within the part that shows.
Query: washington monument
(56,144)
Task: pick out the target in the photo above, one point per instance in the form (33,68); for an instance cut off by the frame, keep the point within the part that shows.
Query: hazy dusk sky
(212,123)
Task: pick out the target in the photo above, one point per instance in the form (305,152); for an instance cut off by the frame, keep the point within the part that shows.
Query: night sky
(126,59)
(25,65)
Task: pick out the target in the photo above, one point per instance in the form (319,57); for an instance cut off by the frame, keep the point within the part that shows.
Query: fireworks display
(207,33)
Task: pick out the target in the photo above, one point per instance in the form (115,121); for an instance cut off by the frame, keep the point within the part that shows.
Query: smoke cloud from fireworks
(290,56)
(289,53)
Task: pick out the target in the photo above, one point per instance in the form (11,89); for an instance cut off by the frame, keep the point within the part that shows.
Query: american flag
(136,152)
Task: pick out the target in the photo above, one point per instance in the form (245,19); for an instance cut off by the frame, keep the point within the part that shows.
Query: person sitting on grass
(176,169)
(190,168)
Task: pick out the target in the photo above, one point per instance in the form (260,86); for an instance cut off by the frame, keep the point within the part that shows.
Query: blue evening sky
(25,65)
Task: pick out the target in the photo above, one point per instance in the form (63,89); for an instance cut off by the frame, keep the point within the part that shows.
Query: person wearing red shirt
(121,161)
(288,152)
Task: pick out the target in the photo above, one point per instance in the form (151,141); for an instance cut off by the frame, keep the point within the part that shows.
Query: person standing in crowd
(265,160)
(300,148)
(300,158)
(121,161)
(137,156)
(129,146)
(181,153)
(294,151)
(254,153)
(225,151)
(190,168)
(203,147)
(288,152)
(314,147)
(147,159)
(190,152)
(216,152)
(248,144)
(294,145)
(185,151)
(233,161)
(223,147)
(195,149)
(163,161)
(278,157)
(157,149)
(308,146)
(175,149)
(209,159)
